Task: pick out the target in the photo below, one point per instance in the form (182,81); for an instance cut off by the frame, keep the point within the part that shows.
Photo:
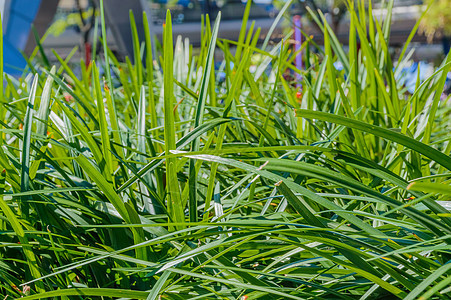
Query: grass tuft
(168,177)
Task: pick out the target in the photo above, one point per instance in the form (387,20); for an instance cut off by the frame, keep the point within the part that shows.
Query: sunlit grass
(170,178)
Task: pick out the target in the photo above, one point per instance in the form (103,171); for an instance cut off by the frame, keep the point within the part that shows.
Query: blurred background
(68,26)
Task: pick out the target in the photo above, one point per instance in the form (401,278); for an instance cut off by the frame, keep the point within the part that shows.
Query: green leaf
(103,292)
(430,187)
(199,120)
(106,162)
(428,281)
(175,207)
(155,292)
(391,135)
(25,183)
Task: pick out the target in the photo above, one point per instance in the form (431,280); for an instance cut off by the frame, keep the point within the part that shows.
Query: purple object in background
(297,47)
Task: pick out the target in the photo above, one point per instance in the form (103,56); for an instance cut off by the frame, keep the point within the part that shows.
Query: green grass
(163,181)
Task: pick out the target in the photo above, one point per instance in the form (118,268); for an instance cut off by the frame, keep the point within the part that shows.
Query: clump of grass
(166,180)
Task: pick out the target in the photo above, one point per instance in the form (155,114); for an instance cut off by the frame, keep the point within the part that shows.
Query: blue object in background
(184,3)
(19,16)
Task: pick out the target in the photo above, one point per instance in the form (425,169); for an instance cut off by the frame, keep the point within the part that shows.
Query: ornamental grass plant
(166,178)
